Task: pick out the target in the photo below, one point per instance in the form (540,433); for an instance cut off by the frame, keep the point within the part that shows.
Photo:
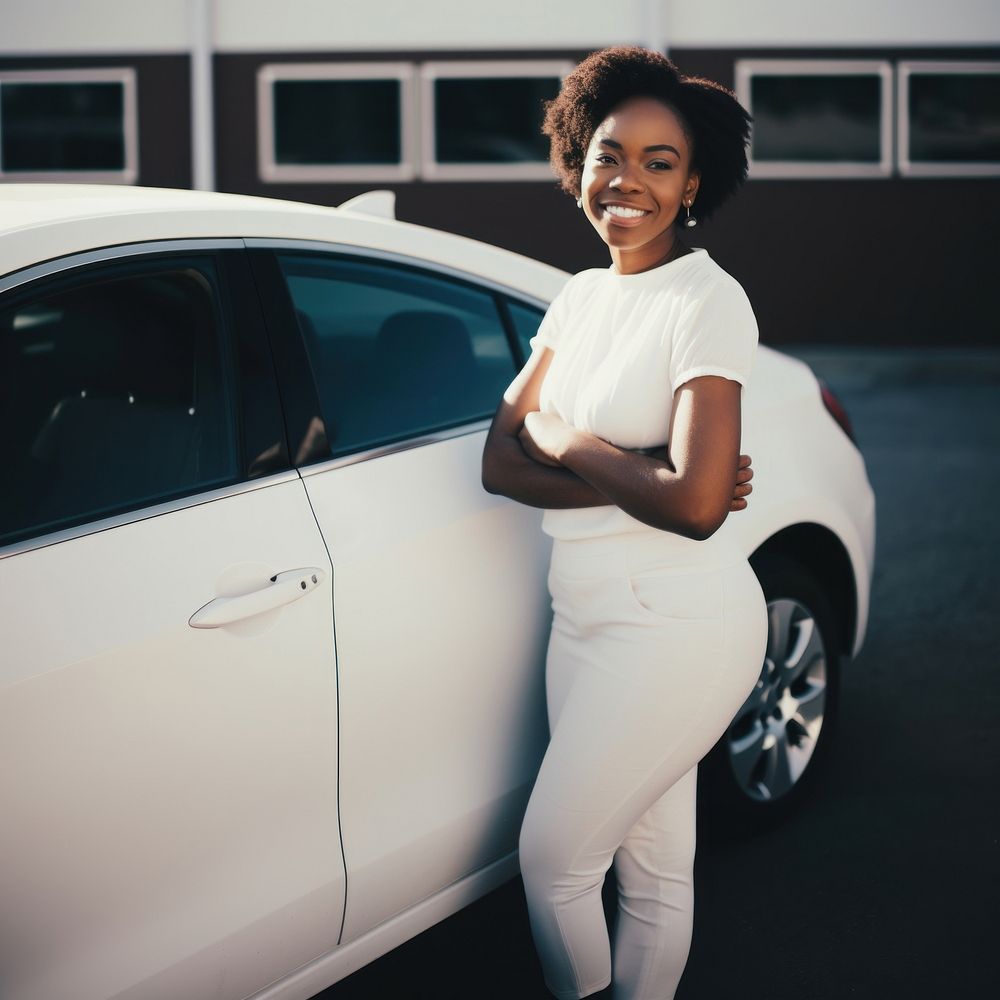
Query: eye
(662,163)
(600,158)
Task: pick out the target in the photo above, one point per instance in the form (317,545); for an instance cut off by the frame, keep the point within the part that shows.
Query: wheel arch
(819,550)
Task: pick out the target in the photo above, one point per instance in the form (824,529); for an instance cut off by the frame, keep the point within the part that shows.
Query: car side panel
(169,792)
(442,618)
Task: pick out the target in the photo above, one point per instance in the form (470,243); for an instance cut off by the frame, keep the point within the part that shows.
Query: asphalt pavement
(884,884)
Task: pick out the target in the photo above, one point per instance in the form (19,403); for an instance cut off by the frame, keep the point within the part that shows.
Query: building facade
(875,158)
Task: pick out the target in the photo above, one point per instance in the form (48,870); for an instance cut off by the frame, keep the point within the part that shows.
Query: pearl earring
(689,221)
(579,202)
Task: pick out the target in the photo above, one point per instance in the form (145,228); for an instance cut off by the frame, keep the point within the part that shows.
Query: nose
(626,179)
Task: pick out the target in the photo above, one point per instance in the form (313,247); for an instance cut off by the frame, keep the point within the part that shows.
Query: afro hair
(714,122)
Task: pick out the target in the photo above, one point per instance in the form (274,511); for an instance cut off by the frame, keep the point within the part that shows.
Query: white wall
(430,24)
(35,27)
(730,23)
(41,27)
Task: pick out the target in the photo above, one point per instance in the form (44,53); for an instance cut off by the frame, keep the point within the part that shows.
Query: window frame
(242,311)
(291,357)
(930,67)
(431,72)
(126,76)
(747,69)
(272,172)
(389,442)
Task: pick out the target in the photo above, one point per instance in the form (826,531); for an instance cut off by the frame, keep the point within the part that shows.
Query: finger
(744,461)
(738,505)
(744,475)
(743,490)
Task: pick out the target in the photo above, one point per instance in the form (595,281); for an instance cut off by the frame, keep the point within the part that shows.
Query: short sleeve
(718,337)
(550,330)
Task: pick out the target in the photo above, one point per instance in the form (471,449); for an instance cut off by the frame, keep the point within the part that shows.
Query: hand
(542,436)
(743,476)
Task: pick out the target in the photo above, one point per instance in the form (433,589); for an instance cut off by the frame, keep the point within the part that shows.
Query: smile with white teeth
(624,213)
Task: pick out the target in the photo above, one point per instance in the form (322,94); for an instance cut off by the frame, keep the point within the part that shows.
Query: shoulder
(570,301)
(706,275)
(580,287)
(587,281)
(709,284)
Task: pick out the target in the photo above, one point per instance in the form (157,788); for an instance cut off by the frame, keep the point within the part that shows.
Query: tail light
(836,409)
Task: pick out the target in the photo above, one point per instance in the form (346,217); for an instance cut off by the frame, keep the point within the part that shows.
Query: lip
(617,220)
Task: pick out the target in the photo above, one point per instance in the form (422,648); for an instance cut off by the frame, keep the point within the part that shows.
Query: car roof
(41,222)
(28,205)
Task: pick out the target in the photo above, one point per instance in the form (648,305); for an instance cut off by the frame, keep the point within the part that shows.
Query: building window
(949,119)
(336,122)
(818,118)
(483,120)
(69,125)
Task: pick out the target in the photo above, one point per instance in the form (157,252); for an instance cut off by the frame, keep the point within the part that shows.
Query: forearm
(507,470)
(645,487)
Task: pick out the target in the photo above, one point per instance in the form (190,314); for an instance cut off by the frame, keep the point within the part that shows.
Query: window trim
(431,72)
(272,172)
(390,256)
(394,447)
(285,243)
(75,260)
(144,513)
(922,168)
(79,259)
(747,69)
(126,76)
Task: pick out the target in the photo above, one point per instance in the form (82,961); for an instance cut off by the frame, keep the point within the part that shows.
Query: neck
(645,259)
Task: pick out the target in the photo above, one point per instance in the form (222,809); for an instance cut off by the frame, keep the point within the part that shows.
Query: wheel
(772,751)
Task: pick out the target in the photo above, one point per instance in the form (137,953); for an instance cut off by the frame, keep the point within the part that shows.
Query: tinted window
(62,126)
(814,118)
(498,120)
(526,321)
(337,121)
(112,394)
(395,352)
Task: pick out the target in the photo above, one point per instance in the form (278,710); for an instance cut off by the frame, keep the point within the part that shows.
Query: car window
(526,321)
(396,352)
(112,393)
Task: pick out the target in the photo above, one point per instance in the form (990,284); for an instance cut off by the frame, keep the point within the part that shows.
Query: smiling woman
(632,192)
(715,127)
(625,425)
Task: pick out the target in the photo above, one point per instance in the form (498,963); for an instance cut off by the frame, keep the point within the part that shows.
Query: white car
(271,692)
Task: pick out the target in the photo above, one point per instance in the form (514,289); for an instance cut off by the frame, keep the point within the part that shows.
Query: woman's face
(638,160)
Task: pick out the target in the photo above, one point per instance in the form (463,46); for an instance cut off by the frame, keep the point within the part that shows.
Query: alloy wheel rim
(773,736)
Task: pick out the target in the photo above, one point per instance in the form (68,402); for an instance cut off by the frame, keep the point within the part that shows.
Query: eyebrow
(648,149)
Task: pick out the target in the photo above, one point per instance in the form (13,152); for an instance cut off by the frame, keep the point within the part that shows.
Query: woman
(625,426)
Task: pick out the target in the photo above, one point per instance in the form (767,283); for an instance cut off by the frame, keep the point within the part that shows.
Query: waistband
(634,552)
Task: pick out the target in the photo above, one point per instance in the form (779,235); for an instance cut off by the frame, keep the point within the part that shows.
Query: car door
(168,708)
(440,604)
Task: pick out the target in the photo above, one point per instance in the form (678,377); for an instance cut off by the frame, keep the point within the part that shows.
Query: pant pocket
(688,596)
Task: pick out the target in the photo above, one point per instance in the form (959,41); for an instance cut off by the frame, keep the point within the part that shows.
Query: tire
(775,749)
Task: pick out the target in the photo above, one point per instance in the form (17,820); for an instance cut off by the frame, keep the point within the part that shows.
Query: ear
(692,185)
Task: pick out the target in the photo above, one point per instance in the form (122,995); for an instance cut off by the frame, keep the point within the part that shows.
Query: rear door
(168,712)
(439,596)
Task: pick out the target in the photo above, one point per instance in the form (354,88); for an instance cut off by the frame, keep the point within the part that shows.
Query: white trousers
(648,662)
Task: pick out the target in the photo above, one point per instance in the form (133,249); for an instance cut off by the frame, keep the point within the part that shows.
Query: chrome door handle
(283,589)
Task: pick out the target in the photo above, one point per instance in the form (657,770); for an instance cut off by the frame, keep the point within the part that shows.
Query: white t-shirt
(622,344)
